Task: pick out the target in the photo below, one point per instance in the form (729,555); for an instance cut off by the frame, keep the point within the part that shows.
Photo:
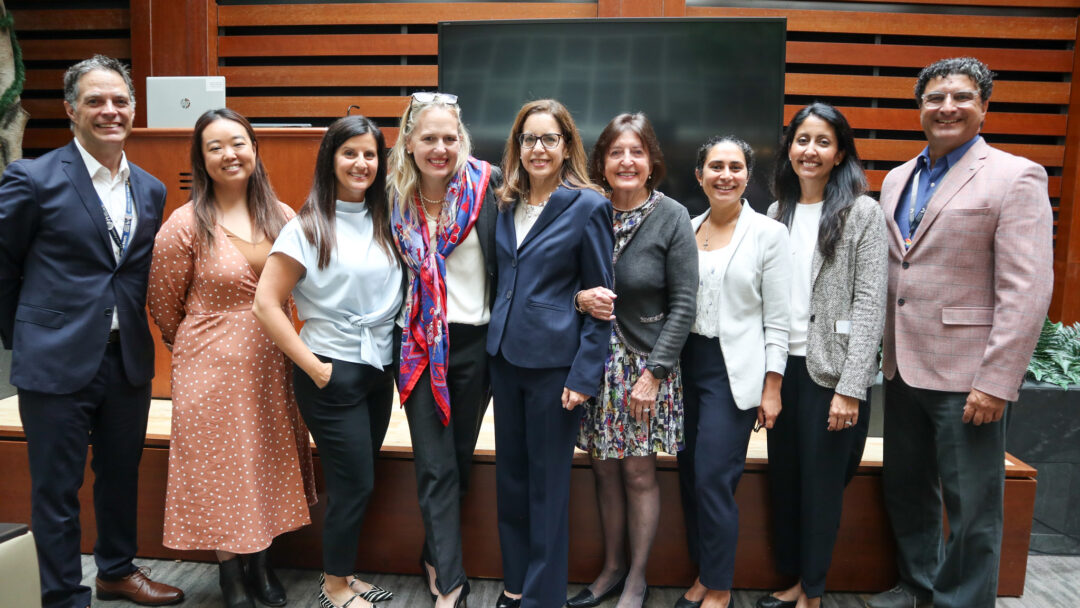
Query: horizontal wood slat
(1005,3)
(328,45)
(404,13)
(72,19)
(875,177)
(37,80)
(906,24)
(893,119)
(75,49)
(913,56)
(332,76)
(44,108)
(903,150)
(46,139)
(295,107)
(896,87)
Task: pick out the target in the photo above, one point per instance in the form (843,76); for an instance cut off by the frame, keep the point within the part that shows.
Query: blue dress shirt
(909,213)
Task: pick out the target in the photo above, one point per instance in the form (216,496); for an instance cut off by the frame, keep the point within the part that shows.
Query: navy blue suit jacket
(533,321)
(59,279)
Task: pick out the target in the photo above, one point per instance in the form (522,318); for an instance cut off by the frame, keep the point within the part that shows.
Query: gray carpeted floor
(1052,582)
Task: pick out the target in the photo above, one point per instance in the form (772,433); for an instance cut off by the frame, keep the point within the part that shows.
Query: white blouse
(348,308)
(466,280)
(711,268)
(804,235)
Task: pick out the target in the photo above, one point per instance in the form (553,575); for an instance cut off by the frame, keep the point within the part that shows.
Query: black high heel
(505,601)
(463,597)
(427,580)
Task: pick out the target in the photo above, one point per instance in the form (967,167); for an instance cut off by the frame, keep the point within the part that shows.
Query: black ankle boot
(231,579)
(264,584)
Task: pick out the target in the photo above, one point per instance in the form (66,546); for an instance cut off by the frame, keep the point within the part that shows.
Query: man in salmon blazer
(970,279)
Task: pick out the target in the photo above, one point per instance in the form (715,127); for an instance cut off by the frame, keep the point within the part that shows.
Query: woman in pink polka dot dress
(240,469)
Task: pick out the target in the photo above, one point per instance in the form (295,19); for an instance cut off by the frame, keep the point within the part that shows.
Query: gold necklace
(430,201)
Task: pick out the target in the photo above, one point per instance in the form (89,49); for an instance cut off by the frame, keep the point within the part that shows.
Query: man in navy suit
(77,228)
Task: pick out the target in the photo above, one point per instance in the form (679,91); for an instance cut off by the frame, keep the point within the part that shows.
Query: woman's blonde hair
(404,176)
(575,175)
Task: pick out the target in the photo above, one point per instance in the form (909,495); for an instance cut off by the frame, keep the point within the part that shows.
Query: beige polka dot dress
(240,469)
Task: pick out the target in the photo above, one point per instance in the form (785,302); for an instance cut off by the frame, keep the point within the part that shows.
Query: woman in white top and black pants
(337,259)
(443,216)
(733,361)
(838,289)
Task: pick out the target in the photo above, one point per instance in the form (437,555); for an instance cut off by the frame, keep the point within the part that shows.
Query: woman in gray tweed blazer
(839,274)
(639,409)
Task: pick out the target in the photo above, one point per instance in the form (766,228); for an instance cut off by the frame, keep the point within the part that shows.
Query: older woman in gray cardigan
(838,290)
(639,409)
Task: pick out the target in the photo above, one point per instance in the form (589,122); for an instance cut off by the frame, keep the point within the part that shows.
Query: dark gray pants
(931,455)
(443,454)
(348,419)
(110,415)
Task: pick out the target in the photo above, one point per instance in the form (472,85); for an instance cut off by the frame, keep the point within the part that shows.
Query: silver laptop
(178,101)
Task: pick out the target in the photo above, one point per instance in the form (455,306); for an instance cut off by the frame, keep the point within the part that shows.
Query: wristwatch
(658,371)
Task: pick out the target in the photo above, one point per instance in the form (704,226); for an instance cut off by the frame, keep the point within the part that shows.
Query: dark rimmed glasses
(548,140)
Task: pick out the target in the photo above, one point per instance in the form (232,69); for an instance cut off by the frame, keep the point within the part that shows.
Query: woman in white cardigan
(733,361)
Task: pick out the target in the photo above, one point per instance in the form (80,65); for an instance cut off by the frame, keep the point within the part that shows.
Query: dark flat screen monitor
(693,78)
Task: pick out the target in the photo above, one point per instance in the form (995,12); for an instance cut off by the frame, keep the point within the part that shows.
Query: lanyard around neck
(121,242)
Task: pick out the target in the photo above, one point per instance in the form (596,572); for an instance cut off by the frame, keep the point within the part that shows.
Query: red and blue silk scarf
(425,339)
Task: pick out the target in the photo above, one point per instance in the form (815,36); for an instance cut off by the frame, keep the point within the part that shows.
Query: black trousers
(348,419)
(809,467)
(443,454)
(534,445)
(110,415)
(717,436)
(931,456)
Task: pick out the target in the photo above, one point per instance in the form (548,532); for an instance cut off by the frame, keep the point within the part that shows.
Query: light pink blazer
(967,301)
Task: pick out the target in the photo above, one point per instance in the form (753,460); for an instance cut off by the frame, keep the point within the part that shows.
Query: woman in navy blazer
(552,239)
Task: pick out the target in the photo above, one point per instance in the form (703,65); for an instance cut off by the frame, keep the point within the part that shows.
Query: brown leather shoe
(137,587)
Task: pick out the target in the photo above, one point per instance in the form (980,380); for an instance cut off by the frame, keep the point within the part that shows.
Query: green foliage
(1057,355)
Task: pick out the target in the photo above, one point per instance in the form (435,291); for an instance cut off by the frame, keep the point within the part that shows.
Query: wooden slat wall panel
(70,19)
(259,51)
(328,45)
(331,76)
(906,24)
(396,13)
(77,49)
(912,56)
(897,87)
(52,37)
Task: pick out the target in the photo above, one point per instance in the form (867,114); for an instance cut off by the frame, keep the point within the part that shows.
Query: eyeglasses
(548,140)
(935,100)
(432,96)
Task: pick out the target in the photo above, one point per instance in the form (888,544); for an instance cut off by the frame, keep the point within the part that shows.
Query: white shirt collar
(93,166)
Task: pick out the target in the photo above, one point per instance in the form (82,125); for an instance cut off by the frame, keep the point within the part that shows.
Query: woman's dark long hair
(846,181)
(317,216)
(266,215)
